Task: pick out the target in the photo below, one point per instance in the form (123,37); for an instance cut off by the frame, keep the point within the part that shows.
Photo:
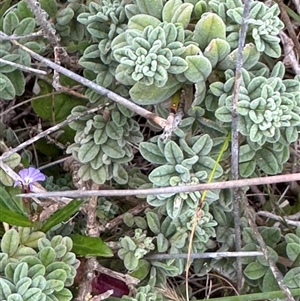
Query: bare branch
(166,190)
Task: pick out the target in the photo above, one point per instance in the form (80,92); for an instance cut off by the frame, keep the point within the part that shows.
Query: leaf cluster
(35,268)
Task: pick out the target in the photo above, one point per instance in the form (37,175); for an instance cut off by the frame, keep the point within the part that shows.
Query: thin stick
(105,92)
(22,67)
(204,255)
(235,141)
(167,190)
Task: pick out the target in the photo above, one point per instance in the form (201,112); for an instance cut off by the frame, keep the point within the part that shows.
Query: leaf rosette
(151,55)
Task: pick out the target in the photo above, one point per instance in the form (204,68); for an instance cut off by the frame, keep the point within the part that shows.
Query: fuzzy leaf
(161,175)
(10,241)
(10,22)
(267,161)
(250,58)
(20,271)
(293,251)
(153,222)
(182,14)
(216,51)
(199,68)
(292,278)
(153,8)
(65,16)
(88,151)
(26,26)
(169,8)
(152,153)
(130,261)
(141,21)
(255,270)
(146,95)
(47,255)
(209,27)
(112,149)
(203,145)
(23,285)
(173,153)
(63,295)
(8,91)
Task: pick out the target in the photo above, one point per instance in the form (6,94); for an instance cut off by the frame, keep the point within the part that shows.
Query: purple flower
(29,176)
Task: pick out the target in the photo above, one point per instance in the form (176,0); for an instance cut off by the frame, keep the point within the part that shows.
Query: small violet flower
(29,176)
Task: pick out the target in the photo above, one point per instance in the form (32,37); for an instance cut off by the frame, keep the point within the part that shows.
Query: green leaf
(273,255)
(88,151)
(57,274)
(247,168)
(65,16)
(162,243)
(267,161)
(199,68)
(9,201)
(8,92)
(90,246)
(32,294)
(54,285)
(141,21)
(10,241)
(13,218)
(223,114)
(173,153)
(292,278)
(26,26)
(50,6)
(293,251)
(63,295)
(147,95)
(61,215)
(120,175)
(271,236)
(47,255)
(169,8)
(153,222)
(98,175)
(246,153)
(182,15)
(251,57)
(17,79)
(153,8)
(130,261)
(216,51)
(112,149)
(113,131)
(152,153)
(23,284)
(269,283)
(10,22)
(203,145)
(161,175)
(52,106)
(255,270)
(20,271)
(142,270)
(209,27)
(206,163)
